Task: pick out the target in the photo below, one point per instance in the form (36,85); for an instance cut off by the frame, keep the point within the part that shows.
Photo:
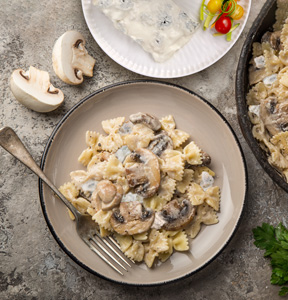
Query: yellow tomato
(238,13)
(214,6)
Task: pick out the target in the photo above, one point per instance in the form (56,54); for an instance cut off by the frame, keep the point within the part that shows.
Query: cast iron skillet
(263,23)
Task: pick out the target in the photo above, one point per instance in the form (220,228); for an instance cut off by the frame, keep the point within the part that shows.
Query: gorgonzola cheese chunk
(160,27)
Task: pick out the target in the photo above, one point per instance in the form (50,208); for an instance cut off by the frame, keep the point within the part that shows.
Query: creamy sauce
(160,27)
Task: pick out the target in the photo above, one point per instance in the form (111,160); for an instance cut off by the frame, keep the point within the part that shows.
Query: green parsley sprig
(275,242)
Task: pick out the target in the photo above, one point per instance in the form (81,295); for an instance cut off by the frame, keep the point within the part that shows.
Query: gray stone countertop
(32,265)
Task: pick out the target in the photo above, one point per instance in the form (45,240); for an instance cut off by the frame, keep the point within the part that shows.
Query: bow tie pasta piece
(168,123)
(180,241)
(158,244)
(173,164)
(213,197)
(103,219)
(140,137)
(111,142)
(206,215)
(112,125)
(114,168)
(135,251)
(178,136)
(182,185)
(124,241)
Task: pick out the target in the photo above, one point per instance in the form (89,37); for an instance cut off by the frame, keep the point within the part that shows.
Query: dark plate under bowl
(263,23)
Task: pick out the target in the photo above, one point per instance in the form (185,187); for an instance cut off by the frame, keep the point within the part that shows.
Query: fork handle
(11,143)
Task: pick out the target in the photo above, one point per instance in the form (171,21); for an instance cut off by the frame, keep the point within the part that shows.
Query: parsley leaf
(275,242)
(283,291)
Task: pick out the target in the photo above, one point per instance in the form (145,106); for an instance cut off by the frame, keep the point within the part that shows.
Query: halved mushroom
(177,215)
(274,115)
(160,143)
(106,195)
(256,75)
(70,58)
(131,218)
(206,158)
(274,39)
(143,172)
(146,119)
(34,90)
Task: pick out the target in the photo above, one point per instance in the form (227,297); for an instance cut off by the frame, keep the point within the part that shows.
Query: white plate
(193,115)
(202,51)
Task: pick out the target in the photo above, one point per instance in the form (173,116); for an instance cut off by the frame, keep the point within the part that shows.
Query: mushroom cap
(34,90)
(131,218)
(274,39)
(143,172)
(106,195)
(160,143)
(206,158)
(274,115)
(177,215)
(70,58)
(146,119)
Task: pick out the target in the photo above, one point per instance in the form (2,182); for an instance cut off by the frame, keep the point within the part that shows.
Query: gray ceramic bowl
(263,23)
(193,115)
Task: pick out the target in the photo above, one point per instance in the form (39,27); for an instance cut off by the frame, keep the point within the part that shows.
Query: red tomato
(223,25)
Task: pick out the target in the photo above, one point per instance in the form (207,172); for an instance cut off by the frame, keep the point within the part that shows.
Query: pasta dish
(147,184)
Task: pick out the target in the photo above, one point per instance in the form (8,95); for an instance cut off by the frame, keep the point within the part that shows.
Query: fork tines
(109,251)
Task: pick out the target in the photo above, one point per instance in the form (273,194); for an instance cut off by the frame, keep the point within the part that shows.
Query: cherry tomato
(214,6)
(223,25)
(238,13)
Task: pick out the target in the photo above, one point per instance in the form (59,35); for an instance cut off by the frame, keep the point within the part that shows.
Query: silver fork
(106,248)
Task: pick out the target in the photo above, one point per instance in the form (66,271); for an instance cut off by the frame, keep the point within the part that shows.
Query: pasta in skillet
(267,99)
(146,185)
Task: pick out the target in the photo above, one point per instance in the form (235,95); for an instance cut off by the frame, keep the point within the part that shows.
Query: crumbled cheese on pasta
(89,186)
(259,62)
(159,221)
(206,180)
(269,80)
(122,153)
(129,197)
(255,109)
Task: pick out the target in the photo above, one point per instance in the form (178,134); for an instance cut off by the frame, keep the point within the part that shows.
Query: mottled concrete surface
(32,265)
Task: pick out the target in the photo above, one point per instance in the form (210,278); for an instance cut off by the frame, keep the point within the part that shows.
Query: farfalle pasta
(146,184)
(267,98)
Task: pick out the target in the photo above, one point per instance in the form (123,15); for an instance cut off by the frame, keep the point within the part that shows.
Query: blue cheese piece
(89,186)
(269,80)
(259,62)
(255,109)
(161,27)
(122,152)
(206,180)
(159,221)
(130,197)
(126,128)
